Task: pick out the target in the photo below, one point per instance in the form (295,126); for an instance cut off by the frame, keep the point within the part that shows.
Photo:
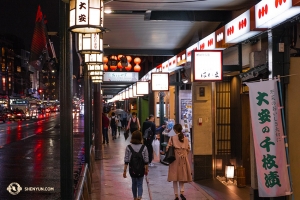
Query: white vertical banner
(268,137)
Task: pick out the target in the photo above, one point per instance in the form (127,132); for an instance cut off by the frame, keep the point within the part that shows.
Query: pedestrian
(133,123)
(105,125)
(137,179)
(113,125)
(150,136)
(119,124)
(179,170)
(124,120)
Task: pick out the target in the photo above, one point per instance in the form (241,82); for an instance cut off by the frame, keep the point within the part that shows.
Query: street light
(86,16)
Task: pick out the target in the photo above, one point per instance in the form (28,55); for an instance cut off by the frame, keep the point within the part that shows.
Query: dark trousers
(124,122)
(149,146)
(105,134)
(113,130)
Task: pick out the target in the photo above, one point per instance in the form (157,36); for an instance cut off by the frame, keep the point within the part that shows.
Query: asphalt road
(30,155)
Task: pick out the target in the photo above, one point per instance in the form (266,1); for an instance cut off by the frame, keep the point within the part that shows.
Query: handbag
(170,154)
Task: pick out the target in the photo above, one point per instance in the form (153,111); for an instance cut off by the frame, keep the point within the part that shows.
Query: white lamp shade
(86,16)
(130,94)
(93,59)
(90,43)
(126,94)
(229,171)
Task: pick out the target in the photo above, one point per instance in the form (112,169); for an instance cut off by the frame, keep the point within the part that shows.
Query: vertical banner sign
(268,137)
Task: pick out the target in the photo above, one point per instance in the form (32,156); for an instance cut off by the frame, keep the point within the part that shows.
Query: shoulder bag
(170,154)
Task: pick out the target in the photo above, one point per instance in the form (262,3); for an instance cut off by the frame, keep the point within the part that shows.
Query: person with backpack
(133,123)
(136,156)
(149,130)
(113,125)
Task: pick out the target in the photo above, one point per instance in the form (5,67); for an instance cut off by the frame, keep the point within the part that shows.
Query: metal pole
(98,121)
(87,114)
(66,121)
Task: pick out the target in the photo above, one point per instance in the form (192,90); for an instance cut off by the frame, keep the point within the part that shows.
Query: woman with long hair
(179,170)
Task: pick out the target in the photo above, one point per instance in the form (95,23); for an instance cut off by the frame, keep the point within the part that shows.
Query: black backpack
(136,163)
(148,134)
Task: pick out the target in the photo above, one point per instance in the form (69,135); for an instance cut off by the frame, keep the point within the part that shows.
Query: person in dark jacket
(105,124)
(149,140)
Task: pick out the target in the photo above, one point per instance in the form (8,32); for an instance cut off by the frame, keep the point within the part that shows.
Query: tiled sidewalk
(108,182)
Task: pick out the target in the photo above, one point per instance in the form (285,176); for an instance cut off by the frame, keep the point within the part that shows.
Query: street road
(30,157)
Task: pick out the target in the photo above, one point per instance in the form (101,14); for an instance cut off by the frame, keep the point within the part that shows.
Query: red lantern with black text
(128,68)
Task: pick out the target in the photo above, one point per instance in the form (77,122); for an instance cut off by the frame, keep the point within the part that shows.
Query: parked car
(3,117)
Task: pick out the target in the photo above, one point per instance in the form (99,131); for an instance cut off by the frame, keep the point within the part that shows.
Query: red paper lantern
(128,67)
(105,59)
(113,57)
(105,67)
(119,57)
(129,59)
(113,67)
(137,68)
(137,60)
(120,65)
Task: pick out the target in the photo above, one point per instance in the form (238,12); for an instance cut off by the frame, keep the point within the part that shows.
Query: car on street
(3,117)
(18,114)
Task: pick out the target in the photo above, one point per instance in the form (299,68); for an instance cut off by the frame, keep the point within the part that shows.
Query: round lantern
(105,67)
(120,56)
(120,65)
(113,57)
(113,67)
(129,59)
(137,60)
(137,68)
(128,68)
(105,59)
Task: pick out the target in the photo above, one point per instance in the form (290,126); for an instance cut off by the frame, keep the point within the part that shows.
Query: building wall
(202,134)
(292,112)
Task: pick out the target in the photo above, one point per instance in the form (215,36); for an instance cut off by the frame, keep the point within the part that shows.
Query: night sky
(17,17)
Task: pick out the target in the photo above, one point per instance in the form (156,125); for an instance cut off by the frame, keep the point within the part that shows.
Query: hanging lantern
(105,59)
(120,65)
(124,61)
(129,59)
(93,58)
(97,79)
(120,56)
(128,68)
(137,68)
(86,16)
(90,43)
(137,60)
(95,70)
(113,67)
(105,67)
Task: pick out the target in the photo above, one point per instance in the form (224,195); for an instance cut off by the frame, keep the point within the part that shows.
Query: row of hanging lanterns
(121,62)
(86,20)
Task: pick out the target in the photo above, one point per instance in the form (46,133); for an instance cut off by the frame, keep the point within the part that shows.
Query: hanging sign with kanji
(268,138)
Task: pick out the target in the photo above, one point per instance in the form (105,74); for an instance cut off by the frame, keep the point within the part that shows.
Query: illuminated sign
(121,76)
(160,81)
(142,88)
(208,65)
(189,51)
(209,42)
(271,13)
(239,29)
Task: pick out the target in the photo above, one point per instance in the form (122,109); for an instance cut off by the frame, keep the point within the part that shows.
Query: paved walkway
(108,182)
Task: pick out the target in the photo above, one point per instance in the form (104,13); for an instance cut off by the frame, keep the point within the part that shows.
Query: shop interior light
(183,76)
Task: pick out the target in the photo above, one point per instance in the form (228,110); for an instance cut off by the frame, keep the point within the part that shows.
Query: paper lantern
(137,68)
(137,60)
(128,68)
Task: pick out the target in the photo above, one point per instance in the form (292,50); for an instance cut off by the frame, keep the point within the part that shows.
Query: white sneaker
(151,165)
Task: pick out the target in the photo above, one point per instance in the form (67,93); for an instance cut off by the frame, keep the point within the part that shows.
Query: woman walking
(133,123)
(131,158)
(179,170)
